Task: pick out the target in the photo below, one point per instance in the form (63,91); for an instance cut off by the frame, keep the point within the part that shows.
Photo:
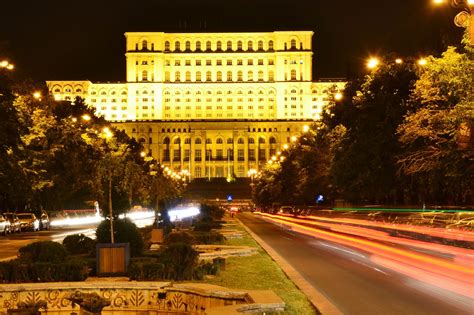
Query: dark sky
(66,40)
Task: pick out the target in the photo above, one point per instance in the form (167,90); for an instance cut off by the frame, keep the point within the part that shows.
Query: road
(10,244)
(351,280)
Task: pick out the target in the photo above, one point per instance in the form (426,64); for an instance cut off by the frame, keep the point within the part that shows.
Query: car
(44,222)
(15,225)
(4,225)
(28,221)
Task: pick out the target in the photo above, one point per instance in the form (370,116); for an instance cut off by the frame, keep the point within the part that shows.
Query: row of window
(217,46)
(218,77)
(251,140)
(217,100)
(219,155)
(199,115)
(218,62)
(219,92)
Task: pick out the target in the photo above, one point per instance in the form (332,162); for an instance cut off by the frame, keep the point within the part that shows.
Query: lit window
(229,45)
(167,46)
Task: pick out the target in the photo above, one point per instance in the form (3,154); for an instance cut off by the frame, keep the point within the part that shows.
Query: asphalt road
(10,244)
(351,281)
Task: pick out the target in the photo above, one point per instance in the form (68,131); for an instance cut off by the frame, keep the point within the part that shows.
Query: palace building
(215,104)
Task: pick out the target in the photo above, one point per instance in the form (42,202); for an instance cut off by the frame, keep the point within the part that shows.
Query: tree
(442,100)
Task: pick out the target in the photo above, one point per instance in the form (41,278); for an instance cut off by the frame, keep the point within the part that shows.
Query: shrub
(179,237)
(180,260)
(77,244)
(146,269)
(205,269)
(18,271)
(46,251)
(202,226)
(208,238)
(125,231)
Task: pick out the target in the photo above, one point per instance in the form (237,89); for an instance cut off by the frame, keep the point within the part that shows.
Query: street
(352,280)
(10,244)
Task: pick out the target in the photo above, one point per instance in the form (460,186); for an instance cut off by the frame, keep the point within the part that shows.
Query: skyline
(60,41)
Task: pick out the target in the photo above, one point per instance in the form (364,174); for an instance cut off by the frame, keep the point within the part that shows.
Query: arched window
(167,46)
(293,44)
(249,45)
(271,76)
(198,76)
(177,141)
(219,45)
(208,141)
(250,76)
(167,76)
(260,76)
(239,45)
(293,75)
(144,75)
(198,46)
(197,141)
(188,45)
(144,45)
(261,141)
(177,76)
(219,76)
(219,141)
(188,76)
(260,45)
(272,140)
(229,75)
(270,45)
(208,45)
(208,76)
(240,141)
(251,141)
(229,45)
(177,46)
(230,140)
(166,140)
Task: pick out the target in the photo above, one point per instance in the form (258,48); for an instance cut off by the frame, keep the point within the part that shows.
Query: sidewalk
(319,301)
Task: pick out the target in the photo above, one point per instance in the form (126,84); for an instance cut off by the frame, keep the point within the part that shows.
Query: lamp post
(462,19)
(108,134)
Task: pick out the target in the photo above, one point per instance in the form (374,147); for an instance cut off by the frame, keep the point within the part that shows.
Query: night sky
(67,40)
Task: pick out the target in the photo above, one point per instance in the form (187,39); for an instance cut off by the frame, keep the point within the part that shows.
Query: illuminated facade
(214,103)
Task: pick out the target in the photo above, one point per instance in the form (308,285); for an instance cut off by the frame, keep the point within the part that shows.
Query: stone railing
(139,298)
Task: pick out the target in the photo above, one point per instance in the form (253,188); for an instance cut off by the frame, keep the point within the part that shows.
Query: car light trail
(461,275)
(180,213)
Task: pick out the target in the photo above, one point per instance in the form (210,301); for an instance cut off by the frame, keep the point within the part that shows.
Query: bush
(179,237)
(78,244)
(208,238)
(146,269)
(46,251)
(125,231)
(202,226)
(18,271)
(180,260)
(205,269)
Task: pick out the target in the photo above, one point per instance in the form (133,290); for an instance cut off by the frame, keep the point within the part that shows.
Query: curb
(319,301)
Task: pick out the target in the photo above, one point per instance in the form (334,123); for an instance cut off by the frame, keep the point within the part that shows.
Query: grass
(260,272)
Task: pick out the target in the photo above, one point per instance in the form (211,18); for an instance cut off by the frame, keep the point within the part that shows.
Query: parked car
(44,222)
(28,221)
(15,224)
(4,225)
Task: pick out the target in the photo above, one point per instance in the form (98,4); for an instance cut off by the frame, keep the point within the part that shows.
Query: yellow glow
(10,67)
(57,97)
(398,61)
(86,117)
(294,138)
(422,61)
(4,64)
(372,63)
(439,1)
(285,146)
(279,153)
(470,2)
(142,154)
(252,171)
(282,158)
(338,96)
(270,162)
(274,158)
(305,128)
(74,119)
(37,95)
(107,132)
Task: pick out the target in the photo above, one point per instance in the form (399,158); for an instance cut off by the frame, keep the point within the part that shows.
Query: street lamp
(338,96)
(86,117)
(108,134)
(398,61)
(372,63)
(37,95)
(422,61)
(463,17)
